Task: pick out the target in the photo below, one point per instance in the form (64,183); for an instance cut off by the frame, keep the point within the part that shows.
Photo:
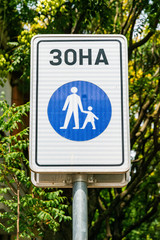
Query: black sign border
(122,117)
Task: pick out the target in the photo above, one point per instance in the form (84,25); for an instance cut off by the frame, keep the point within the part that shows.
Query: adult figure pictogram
(73,102)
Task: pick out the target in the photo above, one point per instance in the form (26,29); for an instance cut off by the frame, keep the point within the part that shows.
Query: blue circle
(94,102)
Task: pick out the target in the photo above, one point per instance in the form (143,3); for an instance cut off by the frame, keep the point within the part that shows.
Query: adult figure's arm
(66,104)
(80,104)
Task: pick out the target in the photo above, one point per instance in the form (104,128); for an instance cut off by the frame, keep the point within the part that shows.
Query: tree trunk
(18,210)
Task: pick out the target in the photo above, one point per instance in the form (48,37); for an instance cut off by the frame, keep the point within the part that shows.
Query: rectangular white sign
(79,104)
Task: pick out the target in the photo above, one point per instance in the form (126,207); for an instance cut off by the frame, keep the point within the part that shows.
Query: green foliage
(3,69)
(128,213)
(38,207)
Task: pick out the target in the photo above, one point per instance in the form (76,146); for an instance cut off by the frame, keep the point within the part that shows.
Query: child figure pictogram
(90,118)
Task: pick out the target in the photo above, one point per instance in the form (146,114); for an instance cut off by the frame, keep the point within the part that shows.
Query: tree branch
(143,128)
(141,42)
(150,213)
(142,114)
(10,186)
(77,26)
(133,15)
(122,196)
(156,115)
(145,39)
(126,22)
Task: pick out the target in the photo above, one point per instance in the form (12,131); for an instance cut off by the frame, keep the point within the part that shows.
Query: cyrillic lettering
(57,57)
(102,54)
(66,57)
(81,56)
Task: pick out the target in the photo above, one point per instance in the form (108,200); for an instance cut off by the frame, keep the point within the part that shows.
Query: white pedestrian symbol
(90,118)
(73,101)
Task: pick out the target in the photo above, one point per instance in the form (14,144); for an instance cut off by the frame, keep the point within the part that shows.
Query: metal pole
(80,208)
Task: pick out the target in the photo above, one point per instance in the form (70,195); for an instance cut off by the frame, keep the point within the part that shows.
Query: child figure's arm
(96,117)
(85,111)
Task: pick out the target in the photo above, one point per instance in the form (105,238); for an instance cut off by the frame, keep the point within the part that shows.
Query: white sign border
(36,167)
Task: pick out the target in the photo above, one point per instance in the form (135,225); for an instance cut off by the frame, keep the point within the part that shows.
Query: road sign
(79,104)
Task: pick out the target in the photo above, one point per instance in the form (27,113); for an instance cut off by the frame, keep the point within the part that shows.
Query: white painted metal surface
(52,152)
